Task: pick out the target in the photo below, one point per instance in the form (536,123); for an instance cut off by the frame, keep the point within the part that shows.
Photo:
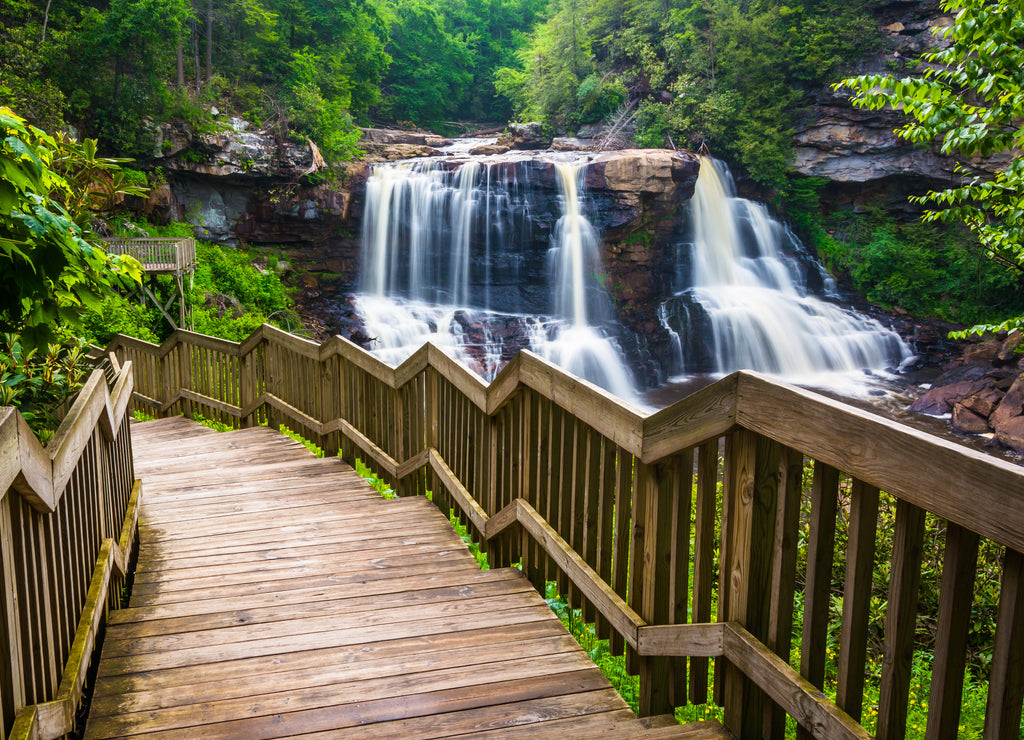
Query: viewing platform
(174,257)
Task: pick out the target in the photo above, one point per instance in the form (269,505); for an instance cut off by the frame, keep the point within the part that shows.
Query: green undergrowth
(232,292)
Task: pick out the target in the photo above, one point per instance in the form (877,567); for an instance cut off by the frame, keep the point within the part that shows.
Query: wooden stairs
(278,595)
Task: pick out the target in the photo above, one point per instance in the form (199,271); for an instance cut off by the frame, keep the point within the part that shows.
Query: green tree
(430,69)
(49,271)
(970,98)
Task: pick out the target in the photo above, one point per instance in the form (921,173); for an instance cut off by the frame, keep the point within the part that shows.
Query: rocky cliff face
(857,150)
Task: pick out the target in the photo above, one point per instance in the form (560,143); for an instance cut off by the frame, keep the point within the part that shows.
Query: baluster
(860,561)
(780,620)
(624,469)
(950,655)
(900,620)
(1006,680)
(818,587)
(681,494)
(605,533)
(706,506)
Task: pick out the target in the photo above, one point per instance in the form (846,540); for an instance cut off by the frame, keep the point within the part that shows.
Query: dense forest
(724,73)
(302,67)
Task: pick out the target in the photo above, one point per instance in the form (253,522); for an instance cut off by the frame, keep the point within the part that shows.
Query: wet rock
(1011,406)
(961,373)
(982,403)
(1008,349)
(399,136)
(1011,433)
(967,421)
(486,150)
(983,352)
(396,152)
(525,136)
(941,400)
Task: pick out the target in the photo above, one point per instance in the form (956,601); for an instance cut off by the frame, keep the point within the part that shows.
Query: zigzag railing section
(677,532)
(67,531)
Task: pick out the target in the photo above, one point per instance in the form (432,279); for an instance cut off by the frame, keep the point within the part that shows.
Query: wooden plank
(861,444)
(708,413)
(1006,680)
(900,621)
(860,566)
(371,710)
(697,640)
(818,587)
(340,670)
(738,521)
(950,656)
(780,620)
(800,699)
(614,608)
(705,507)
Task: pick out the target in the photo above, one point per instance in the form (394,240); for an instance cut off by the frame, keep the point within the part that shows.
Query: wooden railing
(67,528)
(678,531)
(169,255)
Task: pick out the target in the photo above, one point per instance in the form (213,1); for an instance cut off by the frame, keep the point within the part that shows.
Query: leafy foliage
(728,74)
(928,269)
(971,98)
(41,383)
(50,273)
(430,67)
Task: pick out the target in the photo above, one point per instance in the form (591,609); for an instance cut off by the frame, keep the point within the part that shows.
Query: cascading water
(577,344)
(747,305)
(449,256)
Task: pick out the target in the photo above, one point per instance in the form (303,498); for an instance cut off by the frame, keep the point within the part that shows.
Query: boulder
(395,152)
(982,352)
(967,421)
(525,136)
(941,400)
(982,403)
(635,172)
(399,136)
(1008,349)
(487,150)
(1010,407)
(1011,433)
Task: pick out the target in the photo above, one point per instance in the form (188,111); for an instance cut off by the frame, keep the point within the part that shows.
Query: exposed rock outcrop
(857,149)
(984,391)
(525,136)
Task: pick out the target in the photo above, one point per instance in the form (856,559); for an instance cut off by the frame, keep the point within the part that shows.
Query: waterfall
(577,343)
(450,256)
(754,308)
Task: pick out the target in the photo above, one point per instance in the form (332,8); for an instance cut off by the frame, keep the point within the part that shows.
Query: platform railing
(166,254)
(67,530)
(695,537)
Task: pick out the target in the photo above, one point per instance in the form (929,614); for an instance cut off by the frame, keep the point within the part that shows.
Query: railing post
(752,474)
(185,374)
(12,689)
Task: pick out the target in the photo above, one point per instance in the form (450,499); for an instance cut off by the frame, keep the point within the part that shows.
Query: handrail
(621,509)
(179,252)
(68,515)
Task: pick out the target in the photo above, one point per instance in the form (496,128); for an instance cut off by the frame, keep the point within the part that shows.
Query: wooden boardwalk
(278,595)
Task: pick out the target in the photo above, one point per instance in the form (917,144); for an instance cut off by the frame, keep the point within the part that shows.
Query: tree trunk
(209,40)
(46,20)
(181,64)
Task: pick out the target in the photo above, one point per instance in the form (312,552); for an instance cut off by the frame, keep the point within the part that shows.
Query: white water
(425,232)
(761,315)
(577,345)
